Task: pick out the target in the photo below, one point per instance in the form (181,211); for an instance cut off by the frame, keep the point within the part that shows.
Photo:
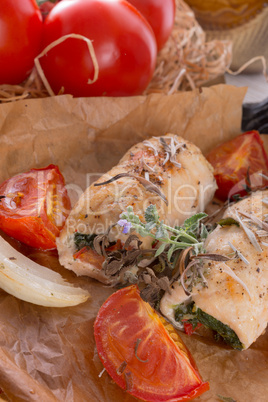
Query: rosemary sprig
(179,254)
(170,238)
(148,185)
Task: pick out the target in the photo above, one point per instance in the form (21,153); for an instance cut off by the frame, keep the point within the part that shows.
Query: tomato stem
(39,2)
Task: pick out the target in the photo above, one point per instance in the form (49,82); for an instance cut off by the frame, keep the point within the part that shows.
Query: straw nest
(187,61)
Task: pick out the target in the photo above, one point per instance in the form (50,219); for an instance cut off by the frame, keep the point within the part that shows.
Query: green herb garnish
(228,222)
(195,315)
(82,240)
(172,239)
(223,330)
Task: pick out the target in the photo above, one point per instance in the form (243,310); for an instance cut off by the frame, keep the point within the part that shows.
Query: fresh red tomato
(160,14)
(123,41)
(34,206)
(235,161)
(139,354)
(20,39)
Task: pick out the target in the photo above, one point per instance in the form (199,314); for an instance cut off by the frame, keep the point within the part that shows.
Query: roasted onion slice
(34,283)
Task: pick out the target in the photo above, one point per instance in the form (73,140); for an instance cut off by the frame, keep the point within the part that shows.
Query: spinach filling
(195,315)
(82,240)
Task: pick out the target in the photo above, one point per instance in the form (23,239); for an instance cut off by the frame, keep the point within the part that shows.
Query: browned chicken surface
(236,291)
(167,171)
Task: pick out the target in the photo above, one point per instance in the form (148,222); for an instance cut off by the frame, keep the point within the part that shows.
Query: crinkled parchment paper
(48,354)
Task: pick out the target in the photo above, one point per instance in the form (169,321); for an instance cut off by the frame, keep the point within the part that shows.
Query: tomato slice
(237,159)
(34,206)
(142,352)
(89,255)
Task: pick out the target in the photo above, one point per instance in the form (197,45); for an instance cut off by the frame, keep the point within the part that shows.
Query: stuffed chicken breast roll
(167,171)
(233,298)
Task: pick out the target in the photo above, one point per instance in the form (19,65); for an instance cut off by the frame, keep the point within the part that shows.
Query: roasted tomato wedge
(141,354)
(34,206)
(237,164)
(89,255)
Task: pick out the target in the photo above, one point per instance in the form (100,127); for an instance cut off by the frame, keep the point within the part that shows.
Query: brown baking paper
(49,354)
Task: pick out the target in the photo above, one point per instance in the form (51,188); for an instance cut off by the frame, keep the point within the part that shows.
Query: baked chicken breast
(234,300)
(167,171)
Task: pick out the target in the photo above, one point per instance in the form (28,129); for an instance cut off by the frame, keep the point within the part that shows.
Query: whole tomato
(160,14)
(20,39)
(123,41)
